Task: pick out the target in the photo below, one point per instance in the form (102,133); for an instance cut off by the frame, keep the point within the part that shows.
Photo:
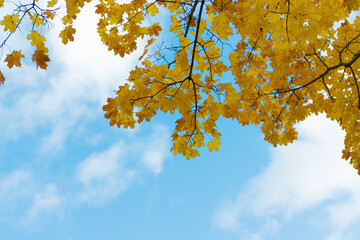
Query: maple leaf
(36,39)
(14,59)
(72,8)
(153,10)
(51,3)
(1,3)
(2,78)
(40,58)
(10,22)
(67,34)
(214,145)
(49,15)
(36,20)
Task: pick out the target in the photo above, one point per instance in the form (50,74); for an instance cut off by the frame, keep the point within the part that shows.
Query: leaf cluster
(266,62)
(39,16)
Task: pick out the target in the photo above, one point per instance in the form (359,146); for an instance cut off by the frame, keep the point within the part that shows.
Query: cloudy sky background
(65,174)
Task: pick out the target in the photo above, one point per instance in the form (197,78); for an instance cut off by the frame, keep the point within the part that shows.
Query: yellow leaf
(153,10)
(10,22)
(51,3)
(73,8)
(67,34)
(67,20)
(36,20)
(14,59)
(36,39)
(214,144)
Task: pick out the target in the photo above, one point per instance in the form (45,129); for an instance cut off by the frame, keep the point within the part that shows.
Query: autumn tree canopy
(265,62)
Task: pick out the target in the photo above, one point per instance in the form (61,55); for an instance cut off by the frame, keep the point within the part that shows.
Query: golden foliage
(263,62)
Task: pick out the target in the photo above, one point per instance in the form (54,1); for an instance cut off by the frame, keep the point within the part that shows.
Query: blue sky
(65,174)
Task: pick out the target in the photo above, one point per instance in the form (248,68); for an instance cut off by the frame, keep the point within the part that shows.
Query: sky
(65,174)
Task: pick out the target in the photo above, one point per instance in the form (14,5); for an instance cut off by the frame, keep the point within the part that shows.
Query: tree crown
(287,60)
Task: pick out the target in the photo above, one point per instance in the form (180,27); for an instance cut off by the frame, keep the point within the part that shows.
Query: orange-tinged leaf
(41,58)
(150,41)
(2,78)
(49,15)
(144,53)
(14,59)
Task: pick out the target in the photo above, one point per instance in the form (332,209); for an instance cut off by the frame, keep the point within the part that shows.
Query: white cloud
(156,149)
(16,185)
(153,160)
(303,175)
(24,201)
(227,217)
(45,201)
(346,212)
(27,198)
(54,142)
(49,106)
(103,175)
(79,79)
